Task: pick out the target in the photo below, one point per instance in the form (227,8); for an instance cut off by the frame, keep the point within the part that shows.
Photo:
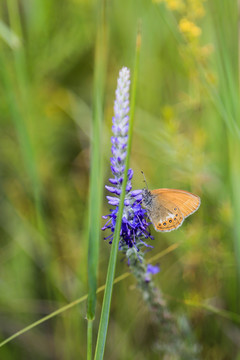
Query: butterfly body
(167,208)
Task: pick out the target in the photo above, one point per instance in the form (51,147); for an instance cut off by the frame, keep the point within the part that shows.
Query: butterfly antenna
(144,179)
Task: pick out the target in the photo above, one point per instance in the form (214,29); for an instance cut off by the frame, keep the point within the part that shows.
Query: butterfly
(167,208)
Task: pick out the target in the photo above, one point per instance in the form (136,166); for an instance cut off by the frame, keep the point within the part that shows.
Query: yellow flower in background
(189,28)
(167,112)
(195,9)
(200,11)
(177,5)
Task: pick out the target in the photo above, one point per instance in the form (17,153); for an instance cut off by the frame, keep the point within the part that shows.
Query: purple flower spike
(134,228)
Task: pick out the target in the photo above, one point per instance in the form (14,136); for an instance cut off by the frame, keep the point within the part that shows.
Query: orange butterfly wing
(181,203)
(187,202)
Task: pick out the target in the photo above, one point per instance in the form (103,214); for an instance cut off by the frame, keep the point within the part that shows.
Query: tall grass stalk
(103,326)
(25,145)
(96,184)
(227,48)
(9,36)
(24,111)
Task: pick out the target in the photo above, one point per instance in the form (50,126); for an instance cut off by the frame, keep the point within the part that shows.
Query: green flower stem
(103,326)
(89,339)
(95,196)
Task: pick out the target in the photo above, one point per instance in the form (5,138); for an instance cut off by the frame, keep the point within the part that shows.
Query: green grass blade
(227,45)
(26,112)
(9,36)
(96,183)
(89,339)
(96,168)
(103,326)
(45,318)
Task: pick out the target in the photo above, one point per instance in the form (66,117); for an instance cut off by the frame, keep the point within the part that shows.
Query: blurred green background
(187,136)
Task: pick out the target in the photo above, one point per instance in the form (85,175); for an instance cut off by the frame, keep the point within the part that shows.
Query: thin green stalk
(95,196)
(45,318)
(24,141)
(227,46)
(89,337)
(103,326)
(9,36)
(25,111)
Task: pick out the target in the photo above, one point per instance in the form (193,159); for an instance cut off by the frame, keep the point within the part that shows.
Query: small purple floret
(151,270)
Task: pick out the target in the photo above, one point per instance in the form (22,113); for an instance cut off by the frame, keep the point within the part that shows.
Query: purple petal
(138,198)
(114,140)
(136,193)
(151,269)
(113,190)
(110,188)
(113,200)
(105,227)
(114,150)
(108,237)
(130,174)
(113,181)
(124,130)
(114,170)
(128,187)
